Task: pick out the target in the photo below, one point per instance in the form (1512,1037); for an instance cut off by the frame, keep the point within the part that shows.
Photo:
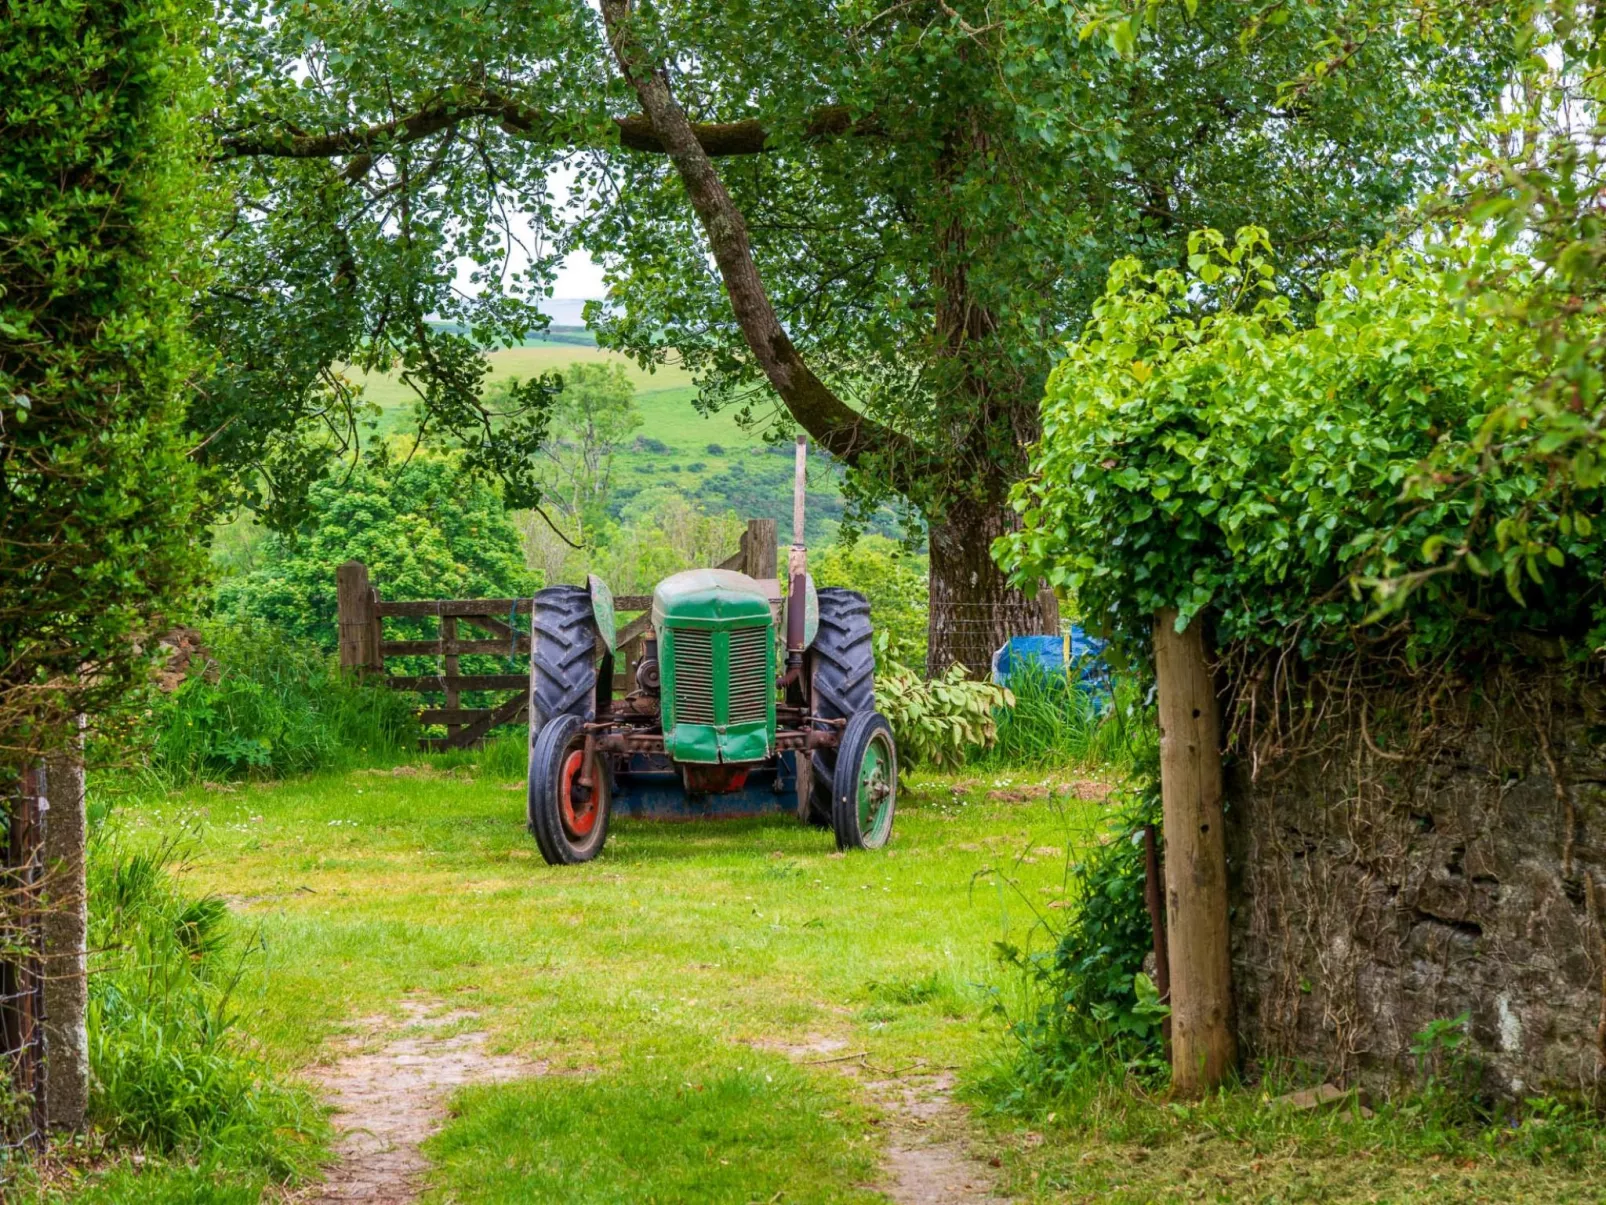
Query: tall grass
(504,755)
(1059,721)
(268,704)
(171,1072)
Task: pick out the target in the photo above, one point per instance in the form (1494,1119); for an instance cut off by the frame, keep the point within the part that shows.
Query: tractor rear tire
(841,664)
(563,647)
(842,657)
(570,824)
(864,798)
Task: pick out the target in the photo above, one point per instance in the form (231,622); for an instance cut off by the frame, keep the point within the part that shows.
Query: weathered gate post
(64,923)
(358,619)
(1204,1048)
(759,547)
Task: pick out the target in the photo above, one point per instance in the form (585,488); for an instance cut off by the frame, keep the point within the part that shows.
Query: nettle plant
(1201,449)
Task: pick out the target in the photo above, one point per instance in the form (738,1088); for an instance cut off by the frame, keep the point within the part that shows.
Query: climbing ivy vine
(1202,451)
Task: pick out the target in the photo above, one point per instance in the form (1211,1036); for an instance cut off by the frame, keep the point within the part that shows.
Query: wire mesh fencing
(21,972)
(973,632)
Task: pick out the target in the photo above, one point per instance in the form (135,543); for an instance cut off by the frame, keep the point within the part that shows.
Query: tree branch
(835,426)
(718,139)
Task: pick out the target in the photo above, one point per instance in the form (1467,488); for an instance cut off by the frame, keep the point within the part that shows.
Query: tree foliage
(911,204)
(592,416)
(1535,188)
(1003,161)
(1201,451)
(98,221)
(426,528)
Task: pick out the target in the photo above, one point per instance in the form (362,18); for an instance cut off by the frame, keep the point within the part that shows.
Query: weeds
(1087,1013)
(1056,721)
(268,705)
(505,756)
(170,1073)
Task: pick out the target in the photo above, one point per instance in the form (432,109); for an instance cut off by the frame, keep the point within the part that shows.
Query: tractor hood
(709,594)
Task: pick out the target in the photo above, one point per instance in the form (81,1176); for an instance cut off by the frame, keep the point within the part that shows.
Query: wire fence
(22,979)
(974,631)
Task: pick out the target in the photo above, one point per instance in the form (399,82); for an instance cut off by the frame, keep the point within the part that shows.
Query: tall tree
(592,416)
(896,212)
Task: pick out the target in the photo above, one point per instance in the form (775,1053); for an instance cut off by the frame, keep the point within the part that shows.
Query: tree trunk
(1204,1048)
(974,609)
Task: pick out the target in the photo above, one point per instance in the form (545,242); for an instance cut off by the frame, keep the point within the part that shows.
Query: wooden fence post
(376,635)
(453,695)
(760,549)
(354,605)
(1204,1048)
(65,922)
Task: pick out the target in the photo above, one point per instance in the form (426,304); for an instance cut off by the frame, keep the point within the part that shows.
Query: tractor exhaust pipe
(796,570)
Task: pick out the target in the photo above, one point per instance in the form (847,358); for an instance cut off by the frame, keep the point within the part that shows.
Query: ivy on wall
(1201,451)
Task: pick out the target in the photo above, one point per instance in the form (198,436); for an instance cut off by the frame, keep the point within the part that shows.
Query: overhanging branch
(635,133)
(835,425)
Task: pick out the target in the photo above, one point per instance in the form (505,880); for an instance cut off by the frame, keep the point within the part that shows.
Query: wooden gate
(500,627)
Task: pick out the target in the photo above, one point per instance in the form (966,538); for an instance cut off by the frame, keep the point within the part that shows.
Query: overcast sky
(580,278)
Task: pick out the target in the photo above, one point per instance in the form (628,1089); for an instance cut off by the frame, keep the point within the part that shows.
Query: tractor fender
(811,612)
(602,610)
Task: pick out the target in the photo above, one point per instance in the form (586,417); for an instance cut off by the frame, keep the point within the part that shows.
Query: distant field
(523,362)
(707,458)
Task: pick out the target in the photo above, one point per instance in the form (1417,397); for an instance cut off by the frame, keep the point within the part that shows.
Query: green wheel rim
(877,790)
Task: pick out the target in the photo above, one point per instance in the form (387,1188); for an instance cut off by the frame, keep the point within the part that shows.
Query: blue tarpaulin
(1074,657)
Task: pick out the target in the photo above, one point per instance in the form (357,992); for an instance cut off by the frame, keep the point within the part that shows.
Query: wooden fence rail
(501,628)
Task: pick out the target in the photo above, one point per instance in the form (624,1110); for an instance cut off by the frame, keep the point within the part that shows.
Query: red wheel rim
(579,818)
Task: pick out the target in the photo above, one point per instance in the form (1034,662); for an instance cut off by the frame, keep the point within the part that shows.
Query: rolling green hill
(709,458)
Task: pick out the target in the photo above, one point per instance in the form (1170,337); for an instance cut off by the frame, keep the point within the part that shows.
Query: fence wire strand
(22,982)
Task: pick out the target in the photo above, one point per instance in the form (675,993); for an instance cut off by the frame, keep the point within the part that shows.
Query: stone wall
(1374,892)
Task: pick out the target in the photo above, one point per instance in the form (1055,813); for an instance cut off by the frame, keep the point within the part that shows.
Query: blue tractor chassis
(647,788)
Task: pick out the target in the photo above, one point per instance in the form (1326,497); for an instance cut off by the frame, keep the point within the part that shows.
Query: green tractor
(734,710)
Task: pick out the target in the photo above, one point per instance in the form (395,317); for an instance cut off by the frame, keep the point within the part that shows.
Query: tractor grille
(751,686)
(694,676)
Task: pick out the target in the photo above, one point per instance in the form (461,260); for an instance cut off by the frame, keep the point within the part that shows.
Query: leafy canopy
(425,527)
(1004,160)
(1535,186)
(1202,451)
(932,191)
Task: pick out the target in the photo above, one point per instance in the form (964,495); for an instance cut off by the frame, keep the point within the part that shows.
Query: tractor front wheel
(568,817)
(864,789)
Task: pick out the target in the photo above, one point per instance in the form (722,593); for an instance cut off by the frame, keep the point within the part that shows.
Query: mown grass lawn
(666,972)
(660,982)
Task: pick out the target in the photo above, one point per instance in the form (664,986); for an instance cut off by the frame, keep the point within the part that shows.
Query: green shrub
(100,133)
(171,1074)
(661,532)
(426,528)
(267,705)
(894,580)
(1089,1012)
(938,721)
(1258,471)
